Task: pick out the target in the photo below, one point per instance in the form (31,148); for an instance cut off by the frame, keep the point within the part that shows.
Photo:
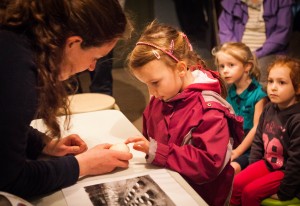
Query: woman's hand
(140,143)
(71,144)
(100,160)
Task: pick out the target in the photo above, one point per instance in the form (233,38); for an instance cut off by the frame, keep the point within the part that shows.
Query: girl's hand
(71,144)
(275,196)
(140,143)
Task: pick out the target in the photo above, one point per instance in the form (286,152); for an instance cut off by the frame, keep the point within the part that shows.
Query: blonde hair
(164,42)
(162,36)
(294,65)
(240,52)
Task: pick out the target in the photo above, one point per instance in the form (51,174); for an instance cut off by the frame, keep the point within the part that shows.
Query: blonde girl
(238,68)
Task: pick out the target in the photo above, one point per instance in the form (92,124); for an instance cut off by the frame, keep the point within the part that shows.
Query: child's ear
(181,68)
(248,66)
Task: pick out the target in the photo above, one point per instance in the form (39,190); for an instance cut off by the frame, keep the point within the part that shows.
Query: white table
(107,126)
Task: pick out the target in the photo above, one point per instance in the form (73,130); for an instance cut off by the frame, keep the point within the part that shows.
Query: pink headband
(169,53)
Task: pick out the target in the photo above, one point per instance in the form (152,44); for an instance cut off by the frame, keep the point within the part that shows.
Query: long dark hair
(48,23)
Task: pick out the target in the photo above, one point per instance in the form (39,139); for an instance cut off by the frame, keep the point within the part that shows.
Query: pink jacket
(190,134)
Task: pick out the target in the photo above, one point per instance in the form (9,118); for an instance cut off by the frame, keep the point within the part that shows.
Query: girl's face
(162,81)
(231,69)
(76,59)
(280,88)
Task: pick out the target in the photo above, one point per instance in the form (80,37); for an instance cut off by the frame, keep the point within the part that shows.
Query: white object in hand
(122,147)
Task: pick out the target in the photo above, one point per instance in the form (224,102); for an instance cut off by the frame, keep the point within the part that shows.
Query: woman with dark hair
(44,43)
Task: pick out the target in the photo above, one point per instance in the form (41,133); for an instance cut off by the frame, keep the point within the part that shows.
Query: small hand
(275,196)
(140,143)
(71,144)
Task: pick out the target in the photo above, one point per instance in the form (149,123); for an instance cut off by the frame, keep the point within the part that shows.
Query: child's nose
(225,69)
(152,92)
(273,86)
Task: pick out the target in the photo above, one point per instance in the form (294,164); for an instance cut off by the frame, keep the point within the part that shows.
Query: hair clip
(172,46)
(187,41)
(159,48)
(156,54)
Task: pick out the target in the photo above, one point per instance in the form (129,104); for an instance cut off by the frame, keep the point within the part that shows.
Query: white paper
(122,191)
(13,200)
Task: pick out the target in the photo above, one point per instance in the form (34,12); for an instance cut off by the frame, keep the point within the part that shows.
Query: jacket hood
(204,80)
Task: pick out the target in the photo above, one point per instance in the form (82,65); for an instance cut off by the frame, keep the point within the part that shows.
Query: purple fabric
(278,19)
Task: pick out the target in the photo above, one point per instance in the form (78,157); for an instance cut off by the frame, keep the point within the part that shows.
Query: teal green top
(244,104)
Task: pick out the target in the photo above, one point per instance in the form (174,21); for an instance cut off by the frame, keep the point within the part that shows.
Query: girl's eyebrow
(279,79)
(153,80)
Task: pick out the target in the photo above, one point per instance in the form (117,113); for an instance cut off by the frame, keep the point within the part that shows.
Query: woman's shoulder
(8,37)
(16,59)
(229,5)
(14,48)
(11,42)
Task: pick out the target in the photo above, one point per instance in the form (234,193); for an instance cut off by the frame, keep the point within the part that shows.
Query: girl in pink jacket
(187,125)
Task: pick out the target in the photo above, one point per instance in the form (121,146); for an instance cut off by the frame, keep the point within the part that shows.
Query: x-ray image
(138,191)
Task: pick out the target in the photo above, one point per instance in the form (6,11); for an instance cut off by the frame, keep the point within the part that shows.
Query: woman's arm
(279,35)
